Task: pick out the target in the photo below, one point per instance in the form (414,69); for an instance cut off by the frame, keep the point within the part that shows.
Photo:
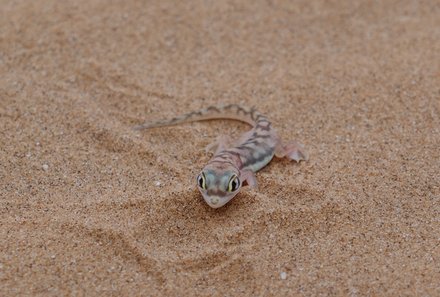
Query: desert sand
(90,207)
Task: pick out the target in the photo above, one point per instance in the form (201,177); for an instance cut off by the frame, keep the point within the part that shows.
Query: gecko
(235,163)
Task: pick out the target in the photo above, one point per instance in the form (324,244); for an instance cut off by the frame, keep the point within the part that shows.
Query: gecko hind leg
(219,144)
(292,150)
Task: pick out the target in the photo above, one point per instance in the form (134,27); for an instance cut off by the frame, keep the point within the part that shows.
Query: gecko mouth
(214,202)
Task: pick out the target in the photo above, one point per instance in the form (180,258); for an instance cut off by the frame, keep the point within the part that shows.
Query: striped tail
(231,111)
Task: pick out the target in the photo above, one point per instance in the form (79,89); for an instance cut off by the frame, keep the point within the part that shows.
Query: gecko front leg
(249,177)
(292,150)
(219,144)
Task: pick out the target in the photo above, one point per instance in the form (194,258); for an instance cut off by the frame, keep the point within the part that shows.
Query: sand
(90,207)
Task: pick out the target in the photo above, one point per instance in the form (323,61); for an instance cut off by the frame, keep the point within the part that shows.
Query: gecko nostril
(214,200)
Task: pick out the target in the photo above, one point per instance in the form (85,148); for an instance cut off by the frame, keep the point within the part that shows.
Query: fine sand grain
(91,207)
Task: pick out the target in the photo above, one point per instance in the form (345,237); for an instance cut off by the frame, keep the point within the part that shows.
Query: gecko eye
(201,181)
(234,183)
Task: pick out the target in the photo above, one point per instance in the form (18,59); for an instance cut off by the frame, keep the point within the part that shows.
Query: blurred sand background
(90,207)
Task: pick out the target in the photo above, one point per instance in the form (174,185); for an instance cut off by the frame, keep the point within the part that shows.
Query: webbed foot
(293,150)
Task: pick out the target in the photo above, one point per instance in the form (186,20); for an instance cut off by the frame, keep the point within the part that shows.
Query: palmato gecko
(235,162)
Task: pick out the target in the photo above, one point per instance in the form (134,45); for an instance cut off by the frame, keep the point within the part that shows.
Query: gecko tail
(161,123)
(231,111)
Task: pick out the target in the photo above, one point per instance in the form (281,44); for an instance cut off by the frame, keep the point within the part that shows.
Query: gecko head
(218,186)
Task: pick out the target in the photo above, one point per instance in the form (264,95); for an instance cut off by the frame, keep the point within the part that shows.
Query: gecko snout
(215,201)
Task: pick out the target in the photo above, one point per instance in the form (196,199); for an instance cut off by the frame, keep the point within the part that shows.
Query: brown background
(358,82)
